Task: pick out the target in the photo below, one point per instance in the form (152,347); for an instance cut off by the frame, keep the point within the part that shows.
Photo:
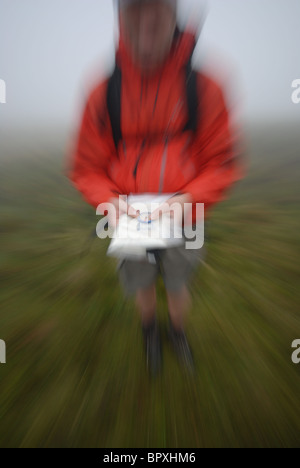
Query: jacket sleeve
(215,151)
(94,152)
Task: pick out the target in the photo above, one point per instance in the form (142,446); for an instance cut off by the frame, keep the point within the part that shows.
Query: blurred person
(156,126)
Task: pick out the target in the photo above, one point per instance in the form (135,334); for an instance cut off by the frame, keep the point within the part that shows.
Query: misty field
(75,373)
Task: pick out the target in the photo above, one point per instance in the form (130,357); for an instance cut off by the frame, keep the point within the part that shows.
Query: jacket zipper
(163,167)
(143,142)
(165,155)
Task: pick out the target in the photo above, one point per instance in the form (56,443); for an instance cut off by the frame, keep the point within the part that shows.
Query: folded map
(134,237)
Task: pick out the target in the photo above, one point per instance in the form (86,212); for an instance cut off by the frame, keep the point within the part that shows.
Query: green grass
(75,373)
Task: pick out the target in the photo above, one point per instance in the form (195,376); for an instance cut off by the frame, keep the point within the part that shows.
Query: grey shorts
(175,264)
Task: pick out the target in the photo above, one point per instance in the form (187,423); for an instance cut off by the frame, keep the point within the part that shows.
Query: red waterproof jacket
(155,154)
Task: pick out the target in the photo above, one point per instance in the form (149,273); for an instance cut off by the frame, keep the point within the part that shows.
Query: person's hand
(174,205)
(120,207)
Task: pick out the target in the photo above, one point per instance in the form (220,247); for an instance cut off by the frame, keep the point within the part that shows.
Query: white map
(134,236)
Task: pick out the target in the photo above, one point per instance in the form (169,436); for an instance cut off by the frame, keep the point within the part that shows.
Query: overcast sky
(50,49)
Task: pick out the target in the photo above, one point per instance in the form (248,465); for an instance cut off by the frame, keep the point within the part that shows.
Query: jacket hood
(183,47)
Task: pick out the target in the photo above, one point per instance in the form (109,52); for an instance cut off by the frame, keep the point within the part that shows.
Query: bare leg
(179,304)
(146,304)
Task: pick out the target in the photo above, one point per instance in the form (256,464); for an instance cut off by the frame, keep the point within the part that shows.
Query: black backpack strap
(114,104)
(192,98)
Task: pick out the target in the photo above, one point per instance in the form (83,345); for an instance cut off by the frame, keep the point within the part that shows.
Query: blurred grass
(75,373)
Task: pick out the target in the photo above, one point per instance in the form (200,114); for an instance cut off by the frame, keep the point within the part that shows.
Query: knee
(146,298)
